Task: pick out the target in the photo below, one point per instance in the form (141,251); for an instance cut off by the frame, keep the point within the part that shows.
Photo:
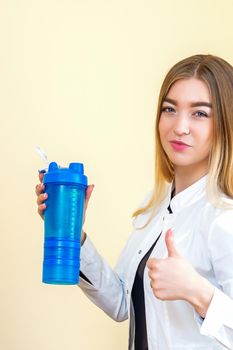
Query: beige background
(80,79)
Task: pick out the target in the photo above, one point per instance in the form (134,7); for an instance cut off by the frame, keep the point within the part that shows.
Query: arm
(218,322)
(107,288)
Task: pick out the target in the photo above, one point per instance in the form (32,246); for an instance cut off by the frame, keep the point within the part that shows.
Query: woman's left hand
(174,278)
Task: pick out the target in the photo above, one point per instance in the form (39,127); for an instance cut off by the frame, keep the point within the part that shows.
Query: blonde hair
(218,76)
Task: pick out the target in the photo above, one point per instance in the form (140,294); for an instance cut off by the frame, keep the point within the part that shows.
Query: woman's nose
(181,126)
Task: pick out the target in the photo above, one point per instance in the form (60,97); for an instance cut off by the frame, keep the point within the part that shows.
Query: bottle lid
(72,175)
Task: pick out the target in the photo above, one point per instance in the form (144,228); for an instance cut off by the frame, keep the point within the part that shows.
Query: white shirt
(203,234)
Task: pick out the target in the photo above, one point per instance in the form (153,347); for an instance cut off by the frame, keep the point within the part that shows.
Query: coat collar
(188,196)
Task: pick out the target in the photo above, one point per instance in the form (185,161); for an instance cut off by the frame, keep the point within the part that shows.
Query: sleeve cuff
(91,263)
(217,314)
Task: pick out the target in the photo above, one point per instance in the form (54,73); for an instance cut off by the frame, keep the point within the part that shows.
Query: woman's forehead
(191,90)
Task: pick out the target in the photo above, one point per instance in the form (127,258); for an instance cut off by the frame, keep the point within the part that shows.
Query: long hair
(217,74)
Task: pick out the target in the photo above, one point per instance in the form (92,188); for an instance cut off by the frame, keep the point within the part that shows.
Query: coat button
(140,251)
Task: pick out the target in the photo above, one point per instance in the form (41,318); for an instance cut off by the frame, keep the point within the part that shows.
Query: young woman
(174,278)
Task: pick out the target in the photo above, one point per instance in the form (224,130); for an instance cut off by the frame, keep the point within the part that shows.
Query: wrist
(202,296)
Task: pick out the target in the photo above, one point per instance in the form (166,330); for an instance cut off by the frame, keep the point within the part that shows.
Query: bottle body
(63,220)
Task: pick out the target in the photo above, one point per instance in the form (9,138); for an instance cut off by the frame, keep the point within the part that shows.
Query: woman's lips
(179,145)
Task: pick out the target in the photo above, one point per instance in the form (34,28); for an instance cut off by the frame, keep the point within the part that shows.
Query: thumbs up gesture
(174,278)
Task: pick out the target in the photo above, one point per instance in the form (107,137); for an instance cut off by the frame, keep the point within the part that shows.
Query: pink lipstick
(179,145)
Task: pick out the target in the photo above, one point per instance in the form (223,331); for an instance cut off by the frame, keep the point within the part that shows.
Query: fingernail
(41,171)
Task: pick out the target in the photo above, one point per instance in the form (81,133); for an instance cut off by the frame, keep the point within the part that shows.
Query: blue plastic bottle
(63,223)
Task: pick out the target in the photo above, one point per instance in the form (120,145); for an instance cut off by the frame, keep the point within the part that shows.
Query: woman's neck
(186,176)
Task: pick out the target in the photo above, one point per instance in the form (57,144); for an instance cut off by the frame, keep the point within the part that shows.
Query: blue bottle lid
(72,175)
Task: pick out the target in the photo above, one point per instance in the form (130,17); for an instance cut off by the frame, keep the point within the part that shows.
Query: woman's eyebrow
(192,104)
(201,103)
(170,100)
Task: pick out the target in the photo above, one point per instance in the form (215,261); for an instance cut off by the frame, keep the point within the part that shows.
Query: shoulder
(154,209)
(218,210)
(220,228)
(217,216)
(146,218)
(140,219)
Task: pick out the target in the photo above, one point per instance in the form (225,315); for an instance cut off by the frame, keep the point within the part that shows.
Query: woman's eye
(201,114)
(168,110)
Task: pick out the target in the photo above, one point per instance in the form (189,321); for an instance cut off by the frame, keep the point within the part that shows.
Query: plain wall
(81,80)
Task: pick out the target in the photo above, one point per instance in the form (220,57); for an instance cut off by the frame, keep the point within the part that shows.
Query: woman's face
(186,125)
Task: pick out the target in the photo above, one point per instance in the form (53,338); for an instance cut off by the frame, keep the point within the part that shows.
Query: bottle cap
(72,175)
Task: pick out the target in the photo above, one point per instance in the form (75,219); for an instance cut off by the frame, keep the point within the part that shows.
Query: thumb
(88,193)
(171,248)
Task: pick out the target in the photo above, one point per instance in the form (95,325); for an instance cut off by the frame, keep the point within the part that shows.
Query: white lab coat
(203,234)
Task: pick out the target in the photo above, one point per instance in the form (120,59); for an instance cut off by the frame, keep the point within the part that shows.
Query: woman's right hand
(42,196)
